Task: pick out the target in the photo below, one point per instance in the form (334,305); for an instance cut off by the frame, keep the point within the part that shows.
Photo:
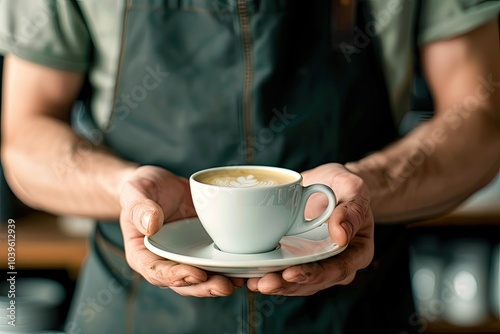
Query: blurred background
(454,260)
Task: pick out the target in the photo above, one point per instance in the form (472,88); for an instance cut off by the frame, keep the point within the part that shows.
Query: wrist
(373,170)
(370,169)
(125,174)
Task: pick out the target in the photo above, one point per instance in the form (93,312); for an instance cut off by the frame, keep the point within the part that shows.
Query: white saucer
(186,241)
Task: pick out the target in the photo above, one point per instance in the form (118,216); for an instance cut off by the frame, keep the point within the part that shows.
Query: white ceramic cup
(246,213)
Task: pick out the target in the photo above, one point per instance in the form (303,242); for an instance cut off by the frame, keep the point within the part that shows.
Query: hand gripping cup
(248,209)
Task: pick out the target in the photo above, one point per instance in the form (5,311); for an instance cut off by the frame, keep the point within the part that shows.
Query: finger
(353,200)
(327,272)
(271,283)
(339,268)
(154,196)
(274,284)
(155,269)
(214,286)
(175,200)
(341,224)
(349,215)
(237,282)
(140,208)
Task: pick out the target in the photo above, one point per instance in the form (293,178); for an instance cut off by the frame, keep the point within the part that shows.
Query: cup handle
(301,225)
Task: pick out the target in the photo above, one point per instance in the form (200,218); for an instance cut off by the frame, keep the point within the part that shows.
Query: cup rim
(297,175)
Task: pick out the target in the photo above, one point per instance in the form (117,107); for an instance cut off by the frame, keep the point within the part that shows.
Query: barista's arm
(47,165)
(51,168)
(445,160)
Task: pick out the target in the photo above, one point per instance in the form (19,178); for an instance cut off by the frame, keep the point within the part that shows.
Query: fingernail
(192,280)
(146,219)
(347,226)
(297,279)
(277,291)
(216,293)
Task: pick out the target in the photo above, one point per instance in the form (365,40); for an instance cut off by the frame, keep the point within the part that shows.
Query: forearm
(46,164)
(49,167)
(447,159)
(434,168)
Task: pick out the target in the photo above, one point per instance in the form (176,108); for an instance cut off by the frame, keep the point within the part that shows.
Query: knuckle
(153,272)
(357,182)
(134,213)
(358,208)
(358,186)
(151,269)
(348,280)
(343,269)
(315,273)
(145,185)
(353,181)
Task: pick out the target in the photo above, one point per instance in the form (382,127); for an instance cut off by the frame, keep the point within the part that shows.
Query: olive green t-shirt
(85,35)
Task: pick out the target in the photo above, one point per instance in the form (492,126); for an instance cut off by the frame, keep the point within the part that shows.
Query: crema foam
(245,178)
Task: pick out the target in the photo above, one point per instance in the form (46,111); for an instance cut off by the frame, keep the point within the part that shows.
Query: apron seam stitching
(120,64)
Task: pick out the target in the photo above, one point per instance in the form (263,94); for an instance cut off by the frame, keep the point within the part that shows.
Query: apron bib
(207,83)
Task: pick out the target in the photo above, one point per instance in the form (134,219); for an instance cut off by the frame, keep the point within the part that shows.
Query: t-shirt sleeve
(441,19)
(48,32)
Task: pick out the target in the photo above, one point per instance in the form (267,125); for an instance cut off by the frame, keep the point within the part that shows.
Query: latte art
(248,181)
(245,178)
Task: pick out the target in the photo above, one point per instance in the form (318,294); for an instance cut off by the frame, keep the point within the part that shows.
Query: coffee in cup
(248,209)
(244,178)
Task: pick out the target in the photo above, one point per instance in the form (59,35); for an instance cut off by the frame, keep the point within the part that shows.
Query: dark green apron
(206,83)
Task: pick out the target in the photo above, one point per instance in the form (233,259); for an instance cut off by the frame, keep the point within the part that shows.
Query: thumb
(146,215)
(140,210)
(347,218)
